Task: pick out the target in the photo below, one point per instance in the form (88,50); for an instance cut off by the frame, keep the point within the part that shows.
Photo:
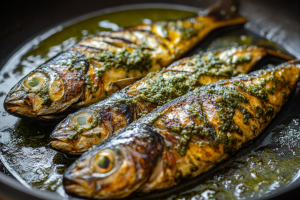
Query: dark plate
(274,20)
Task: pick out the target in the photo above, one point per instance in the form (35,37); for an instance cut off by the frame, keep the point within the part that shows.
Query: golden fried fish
(96,67)
(92,125)
(183,138)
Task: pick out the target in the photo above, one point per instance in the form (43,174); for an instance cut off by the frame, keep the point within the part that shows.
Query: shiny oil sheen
(270,162)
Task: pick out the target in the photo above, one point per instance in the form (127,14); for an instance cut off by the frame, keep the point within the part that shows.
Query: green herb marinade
(253,172)
(138,59)
(162,90)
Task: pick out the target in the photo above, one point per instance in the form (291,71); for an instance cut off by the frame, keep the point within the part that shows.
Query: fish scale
(170,165)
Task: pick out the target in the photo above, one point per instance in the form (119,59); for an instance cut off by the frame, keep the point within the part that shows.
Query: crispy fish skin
(96,67)
(103,119)
(184,138)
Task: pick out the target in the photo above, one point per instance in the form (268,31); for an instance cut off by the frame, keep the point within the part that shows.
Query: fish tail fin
(223,9)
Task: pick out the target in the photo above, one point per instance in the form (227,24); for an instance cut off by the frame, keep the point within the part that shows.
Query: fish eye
(35,81)
(104,161)
(81,120)
(84,119)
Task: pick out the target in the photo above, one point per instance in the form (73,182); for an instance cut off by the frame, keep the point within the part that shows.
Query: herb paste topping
(226,96)
(185,31)
(137,59)
(164,89)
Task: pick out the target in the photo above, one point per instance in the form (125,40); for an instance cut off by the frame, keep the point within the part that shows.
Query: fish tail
(279,55)
(223,9)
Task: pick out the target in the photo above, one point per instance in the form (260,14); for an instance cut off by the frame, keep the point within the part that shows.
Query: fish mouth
(77,186)
(76,181)
(18,104)
(59,141)
(66,146)
(20,109)
(62,146)
(13,107)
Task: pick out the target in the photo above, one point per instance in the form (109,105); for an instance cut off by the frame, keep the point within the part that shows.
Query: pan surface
(270,164)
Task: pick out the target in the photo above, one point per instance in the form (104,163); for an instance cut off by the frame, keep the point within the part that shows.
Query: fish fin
(280,55)
(120,84)
(223,9)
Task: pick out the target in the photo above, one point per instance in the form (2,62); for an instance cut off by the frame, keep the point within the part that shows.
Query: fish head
(109,173)
(50,89)
(78,132)
(116,168)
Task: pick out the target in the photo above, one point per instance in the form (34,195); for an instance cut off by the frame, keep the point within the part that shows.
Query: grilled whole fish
(96,67)
(90,126)
(184,138)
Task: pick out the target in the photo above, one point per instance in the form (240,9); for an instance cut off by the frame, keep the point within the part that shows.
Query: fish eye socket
(84,119)
(104,162)
(35,81)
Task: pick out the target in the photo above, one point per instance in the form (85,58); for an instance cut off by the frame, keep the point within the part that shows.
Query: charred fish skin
(135,167)
(195,131)
(92,125)
(112,62)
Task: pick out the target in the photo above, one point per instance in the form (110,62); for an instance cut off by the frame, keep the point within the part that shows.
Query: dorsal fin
(223,9)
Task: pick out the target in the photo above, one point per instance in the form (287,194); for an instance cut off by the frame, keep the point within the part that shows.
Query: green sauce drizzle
(138,59)
(162,90)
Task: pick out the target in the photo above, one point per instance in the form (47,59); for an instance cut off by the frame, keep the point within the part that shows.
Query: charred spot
(212,132)
(118,116)
(148,142)
(143,31)
(151,34)
(122,108)
(122,39)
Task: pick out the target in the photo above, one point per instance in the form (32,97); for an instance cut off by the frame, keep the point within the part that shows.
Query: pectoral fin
(120,84)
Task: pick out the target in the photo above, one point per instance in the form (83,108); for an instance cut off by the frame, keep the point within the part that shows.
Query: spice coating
(96,67)
(184,138)
(104,118)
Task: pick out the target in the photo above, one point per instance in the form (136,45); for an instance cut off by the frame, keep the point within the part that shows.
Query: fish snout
(16,102)
(77,187)
(14,96)
(76,179)
(61,139)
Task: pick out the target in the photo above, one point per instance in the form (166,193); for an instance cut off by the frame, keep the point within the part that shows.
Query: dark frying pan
(20,21)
